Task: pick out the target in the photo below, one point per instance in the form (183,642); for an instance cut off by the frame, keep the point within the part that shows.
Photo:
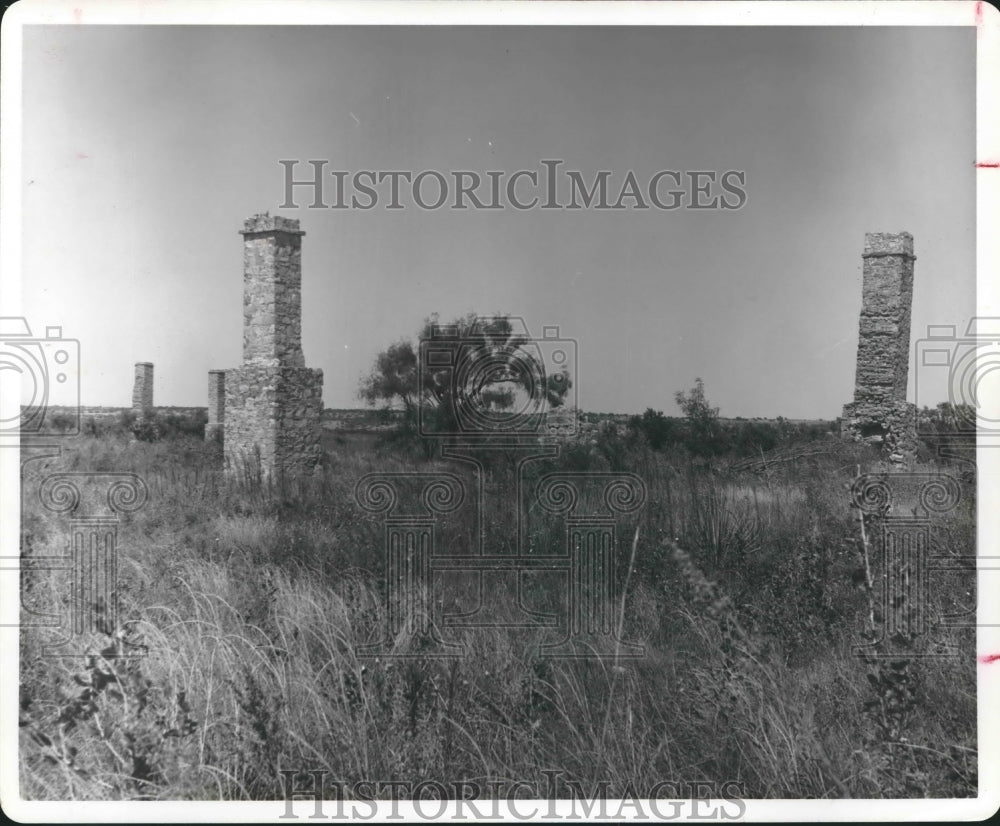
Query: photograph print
(507,411)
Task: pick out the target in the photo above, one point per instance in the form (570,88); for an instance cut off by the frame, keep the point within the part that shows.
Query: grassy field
(249,604)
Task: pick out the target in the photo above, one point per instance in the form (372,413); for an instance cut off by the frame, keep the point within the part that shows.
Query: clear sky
(145,148)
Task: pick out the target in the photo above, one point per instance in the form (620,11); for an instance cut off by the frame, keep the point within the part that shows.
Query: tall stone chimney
(879,413)
(272,292)
(142,388)
(273,403)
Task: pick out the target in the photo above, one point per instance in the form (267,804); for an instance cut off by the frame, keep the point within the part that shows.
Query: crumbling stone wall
(273,402)
(880,414)
(216,405)
(142,388)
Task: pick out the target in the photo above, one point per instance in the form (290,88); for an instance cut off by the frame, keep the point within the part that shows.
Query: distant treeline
(717,436)
(703,435)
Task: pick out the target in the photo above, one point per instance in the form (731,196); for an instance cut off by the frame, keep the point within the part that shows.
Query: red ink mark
(979,13)
(77,15)
(987,164)
(986,659)
(82,157)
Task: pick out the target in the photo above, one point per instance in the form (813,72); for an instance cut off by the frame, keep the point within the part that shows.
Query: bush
(62,422)
(183,423)
(147,429)
(657,429)
(162,425)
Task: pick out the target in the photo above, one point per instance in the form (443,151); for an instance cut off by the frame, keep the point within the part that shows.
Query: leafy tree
(705,434)
(393,378)
(489,366)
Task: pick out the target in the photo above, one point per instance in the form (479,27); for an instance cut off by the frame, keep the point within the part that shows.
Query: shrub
(147,429)
(166,424)
(175,423)
(657,429)
(63,422)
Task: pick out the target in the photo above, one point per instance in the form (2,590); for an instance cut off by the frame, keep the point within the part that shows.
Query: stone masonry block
(273,417)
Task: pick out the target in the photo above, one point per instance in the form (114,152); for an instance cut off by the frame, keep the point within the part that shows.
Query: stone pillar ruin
(880,414)
(142,389)
(273,402)
(216,405)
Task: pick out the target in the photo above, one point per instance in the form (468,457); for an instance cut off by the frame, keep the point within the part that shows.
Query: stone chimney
(879,413)
(142,388)
(273,403)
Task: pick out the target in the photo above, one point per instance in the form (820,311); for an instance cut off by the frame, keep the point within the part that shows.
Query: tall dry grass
(249,605)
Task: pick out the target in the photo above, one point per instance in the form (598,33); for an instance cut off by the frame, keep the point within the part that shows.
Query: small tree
(393,379)
(490,366)
(705,435)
